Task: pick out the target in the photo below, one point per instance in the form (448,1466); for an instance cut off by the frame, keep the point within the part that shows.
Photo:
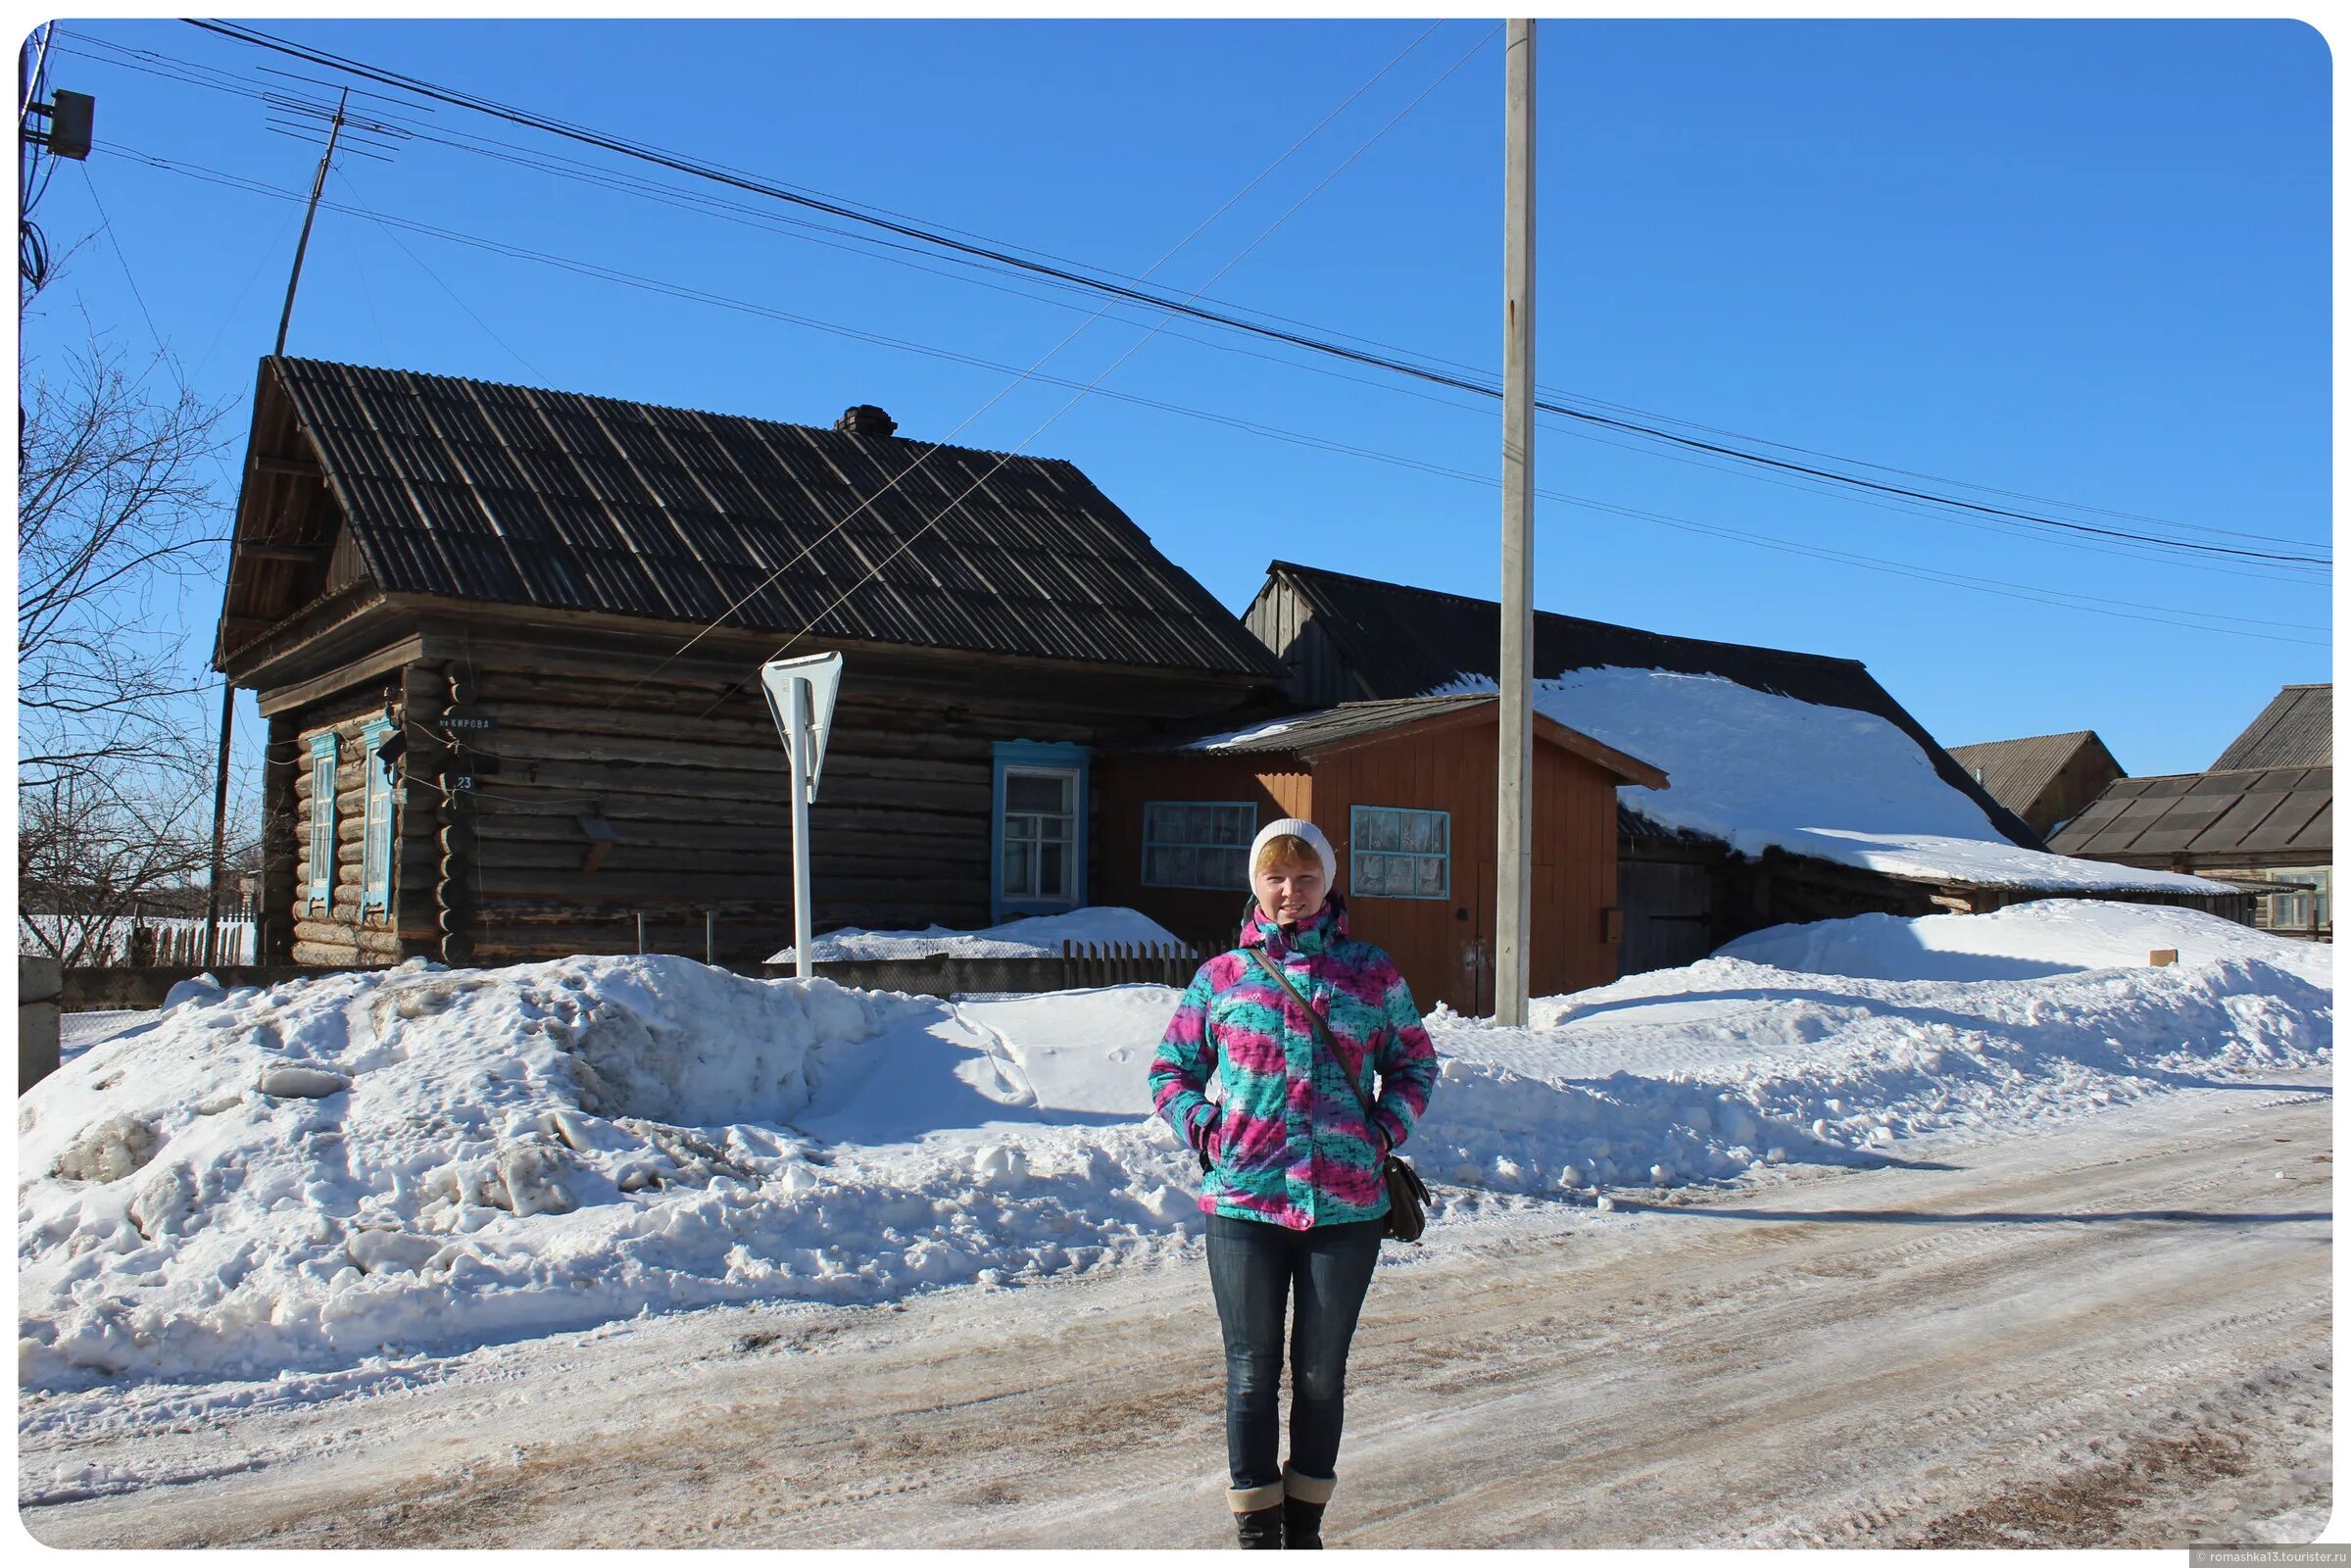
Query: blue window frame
(1037,833)
(323,821)
(1396,852)
(1198,844)
(375,845)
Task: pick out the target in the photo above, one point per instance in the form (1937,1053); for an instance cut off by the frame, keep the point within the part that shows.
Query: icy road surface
(2114,1333)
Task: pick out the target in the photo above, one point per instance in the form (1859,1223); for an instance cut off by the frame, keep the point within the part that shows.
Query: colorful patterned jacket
(1289,1144)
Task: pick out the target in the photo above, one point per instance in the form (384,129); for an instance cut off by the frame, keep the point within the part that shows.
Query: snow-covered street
(1968,1230)
(2113,1334)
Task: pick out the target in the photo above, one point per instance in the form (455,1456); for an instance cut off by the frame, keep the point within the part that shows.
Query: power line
(1189,307)
(712,207)
(1272,432)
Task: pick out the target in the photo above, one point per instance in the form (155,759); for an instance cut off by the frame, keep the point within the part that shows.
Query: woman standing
(1293,1191)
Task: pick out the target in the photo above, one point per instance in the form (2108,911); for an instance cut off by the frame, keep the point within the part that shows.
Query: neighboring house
(1801,789)
(2263,813)
(505,644)
(1406,792)
(2044,779)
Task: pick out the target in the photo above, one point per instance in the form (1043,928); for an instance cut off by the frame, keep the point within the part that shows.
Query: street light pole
(1514,806)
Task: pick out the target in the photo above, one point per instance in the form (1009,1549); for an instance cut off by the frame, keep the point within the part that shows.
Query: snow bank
(341,1172)
(1759,772)
(1035,937)
(2052,936)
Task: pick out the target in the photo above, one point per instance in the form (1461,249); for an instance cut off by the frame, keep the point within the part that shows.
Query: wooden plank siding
(1122,786)
(1443,947)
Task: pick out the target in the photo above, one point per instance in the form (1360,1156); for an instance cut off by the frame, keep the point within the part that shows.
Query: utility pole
(318,185)
(1514,814)
(228,690)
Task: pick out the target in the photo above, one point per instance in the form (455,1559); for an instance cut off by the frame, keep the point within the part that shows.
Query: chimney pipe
(865,420)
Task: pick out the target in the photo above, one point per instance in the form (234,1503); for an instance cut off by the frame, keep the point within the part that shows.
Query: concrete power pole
(1514,817)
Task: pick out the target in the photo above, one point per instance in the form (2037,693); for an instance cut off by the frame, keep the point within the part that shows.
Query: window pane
(1232,869)
(1048,878)
(1432,877)
(1036,792)
(1154,823)
(1019,877)
(1371,875)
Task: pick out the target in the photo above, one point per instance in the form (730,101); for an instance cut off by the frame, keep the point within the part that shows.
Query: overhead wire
(1338,448)
(652,191)
(1190,307)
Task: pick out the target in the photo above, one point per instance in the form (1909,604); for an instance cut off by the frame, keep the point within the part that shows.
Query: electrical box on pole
(800,696)
(72,116)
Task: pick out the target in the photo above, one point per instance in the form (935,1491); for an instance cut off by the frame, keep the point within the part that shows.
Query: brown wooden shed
(1405,789)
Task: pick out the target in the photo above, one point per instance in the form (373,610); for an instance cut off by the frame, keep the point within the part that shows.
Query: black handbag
(1407,1195)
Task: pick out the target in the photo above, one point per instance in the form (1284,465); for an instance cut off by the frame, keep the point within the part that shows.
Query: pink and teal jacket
(1290,1144)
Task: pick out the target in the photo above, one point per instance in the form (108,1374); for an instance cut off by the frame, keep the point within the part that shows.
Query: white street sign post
(800,696)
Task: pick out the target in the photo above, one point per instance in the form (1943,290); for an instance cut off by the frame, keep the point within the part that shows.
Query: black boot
(1261,1528)
(1303,1497)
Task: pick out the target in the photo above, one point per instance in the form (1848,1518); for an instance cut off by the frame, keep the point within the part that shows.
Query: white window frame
(377,835)
(1151,842)
(323,763)
(1360,832)
(1067,895)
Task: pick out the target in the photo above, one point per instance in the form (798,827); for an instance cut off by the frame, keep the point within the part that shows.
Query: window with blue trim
(375,843)
(1198,844)
(1399,854)
(1037,840)
(322,820)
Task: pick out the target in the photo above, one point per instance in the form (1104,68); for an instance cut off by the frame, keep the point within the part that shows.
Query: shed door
(1469,983)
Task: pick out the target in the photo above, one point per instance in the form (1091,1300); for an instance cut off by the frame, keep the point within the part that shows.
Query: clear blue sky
(2083,261)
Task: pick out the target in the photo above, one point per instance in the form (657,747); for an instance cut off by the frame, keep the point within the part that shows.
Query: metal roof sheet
(475,490)
(1403,641)
(2016,772)
(2265,812)
(2296,730)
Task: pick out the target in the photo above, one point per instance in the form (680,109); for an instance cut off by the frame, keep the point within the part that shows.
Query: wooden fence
(1081,964)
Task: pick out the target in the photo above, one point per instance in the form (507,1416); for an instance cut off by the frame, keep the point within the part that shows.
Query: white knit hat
(1302,828)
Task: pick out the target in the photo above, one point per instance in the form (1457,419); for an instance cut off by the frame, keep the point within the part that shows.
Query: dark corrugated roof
(1345,722)
(2296,730)
(1405,641)
(2017,771)
(476,490)
(2244,811)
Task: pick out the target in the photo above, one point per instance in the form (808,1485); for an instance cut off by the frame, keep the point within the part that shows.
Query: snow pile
(2052,936)
(309,1175)
(1759,772)
(342,1170)
(1037,936)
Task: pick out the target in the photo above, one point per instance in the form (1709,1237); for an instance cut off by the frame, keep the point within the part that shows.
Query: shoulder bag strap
(1321,1031)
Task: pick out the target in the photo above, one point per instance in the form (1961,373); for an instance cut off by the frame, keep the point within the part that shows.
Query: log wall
(688,779)
(337,935)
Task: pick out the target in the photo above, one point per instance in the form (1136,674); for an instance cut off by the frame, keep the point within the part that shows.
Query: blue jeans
(1253,1266)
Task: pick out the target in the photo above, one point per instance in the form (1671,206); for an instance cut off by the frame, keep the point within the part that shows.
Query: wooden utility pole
(1514,817)
(228,690)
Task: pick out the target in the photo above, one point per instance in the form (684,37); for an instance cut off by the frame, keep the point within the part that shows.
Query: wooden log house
(506,644)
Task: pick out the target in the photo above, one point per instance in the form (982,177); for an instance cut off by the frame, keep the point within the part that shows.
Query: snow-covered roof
(1759,772)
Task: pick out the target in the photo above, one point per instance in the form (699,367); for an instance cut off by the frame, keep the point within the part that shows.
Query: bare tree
(111,505)
(87,861)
